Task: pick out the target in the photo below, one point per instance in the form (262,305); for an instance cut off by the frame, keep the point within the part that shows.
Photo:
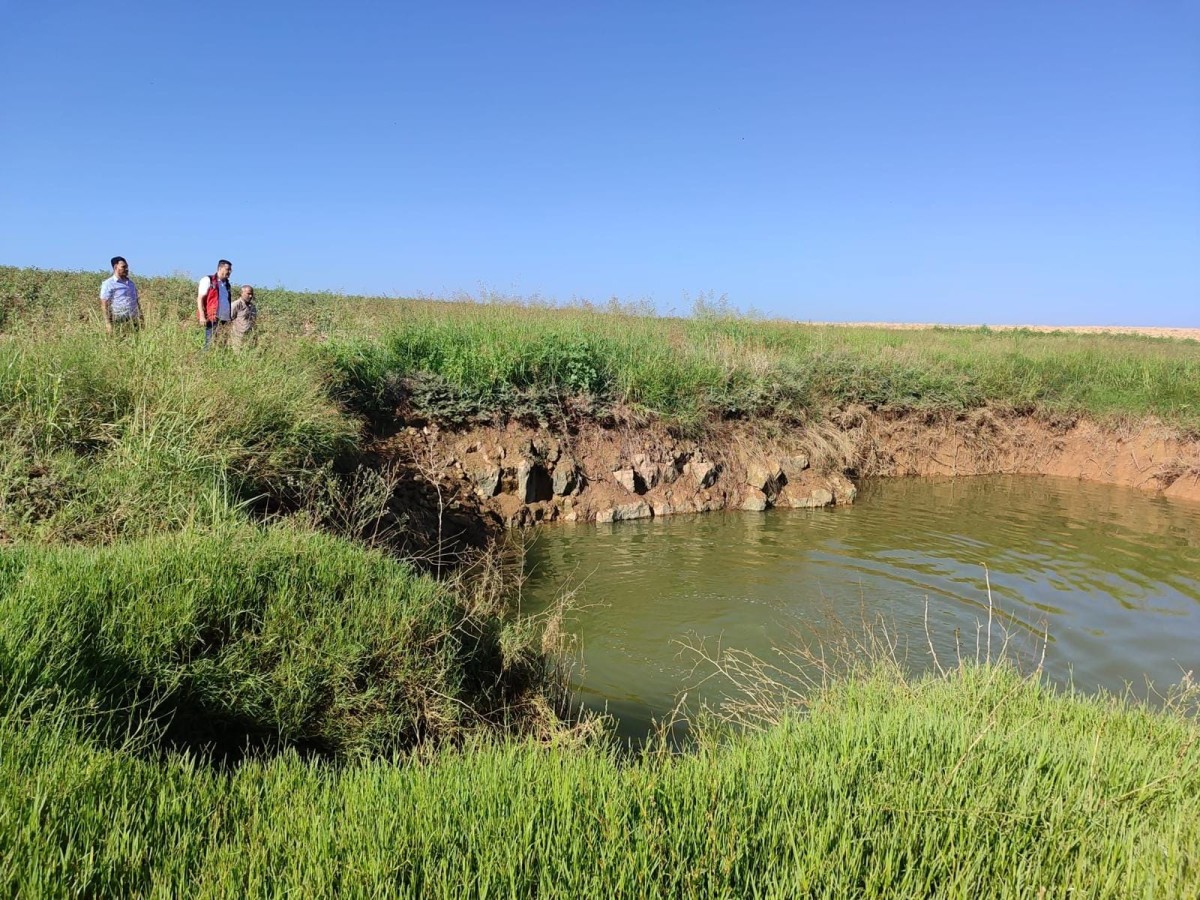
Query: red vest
(213,298)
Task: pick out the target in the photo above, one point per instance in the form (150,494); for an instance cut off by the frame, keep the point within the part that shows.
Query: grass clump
(102,438)
(242,636)
(981,783)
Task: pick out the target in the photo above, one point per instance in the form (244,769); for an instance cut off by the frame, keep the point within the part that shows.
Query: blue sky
(1033,162)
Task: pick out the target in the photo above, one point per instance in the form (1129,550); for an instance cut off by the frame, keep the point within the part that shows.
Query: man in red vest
(213,302)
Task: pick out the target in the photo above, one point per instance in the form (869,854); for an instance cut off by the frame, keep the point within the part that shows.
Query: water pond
(1106,579)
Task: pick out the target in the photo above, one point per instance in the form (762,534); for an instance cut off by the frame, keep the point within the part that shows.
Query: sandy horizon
(1148,330)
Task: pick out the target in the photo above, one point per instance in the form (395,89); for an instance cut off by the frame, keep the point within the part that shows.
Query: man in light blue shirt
(119,298)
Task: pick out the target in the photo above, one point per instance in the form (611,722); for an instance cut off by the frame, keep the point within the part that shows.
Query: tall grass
(692,370)
(101,438)
(122,666)
(242,635)
(978,784)
(481,360)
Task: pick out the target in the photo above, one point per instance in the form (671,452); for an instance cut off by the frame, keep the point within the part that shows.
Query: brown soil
(1148,456)
(521,475)
(518,475)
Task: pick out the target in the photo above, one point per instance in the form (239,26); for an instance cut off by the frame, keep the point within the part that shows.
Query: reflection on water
(1110,575)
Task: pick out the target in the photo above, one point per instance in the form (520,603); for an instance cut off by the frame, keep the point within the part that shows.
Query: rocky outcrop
(524,475)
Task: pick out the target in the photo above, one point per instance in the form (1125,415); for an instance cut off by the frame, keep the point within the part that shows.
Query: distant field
(1183,334)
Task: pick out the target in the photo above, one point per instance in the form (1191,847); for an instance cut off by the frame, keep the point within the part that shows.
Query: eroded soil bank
(518,475)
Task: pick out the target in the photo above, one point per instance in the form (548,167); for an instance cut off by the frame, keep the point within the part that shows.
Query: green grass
(107,438)
(469,361)
(700,369)
(241,635)
(979,784)
(145,621)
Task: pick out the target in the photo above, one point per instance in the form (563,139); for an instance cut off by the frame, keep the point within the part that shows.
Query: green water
(1105,579)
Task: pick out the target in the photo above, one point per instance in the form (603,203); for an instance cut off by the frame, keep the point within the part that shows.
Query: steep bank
(519,475)
(1147,455)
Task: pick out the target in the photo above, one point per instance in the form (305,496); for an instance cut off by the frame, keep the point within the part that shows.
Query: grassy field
(484,360)
(210,686)
(977,784)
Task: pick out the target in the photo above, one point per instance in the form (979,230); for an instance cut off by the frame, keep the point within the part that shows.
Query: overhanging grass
(690,370)
(243,635)
(980,784)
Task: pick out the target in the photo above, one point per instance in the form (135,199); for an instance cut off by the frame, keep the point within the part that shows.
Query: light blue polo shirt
(223,301)
(122,297)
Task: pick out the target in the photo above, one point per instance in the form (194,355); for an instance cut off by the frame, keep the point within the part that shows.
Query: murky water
(1106,579)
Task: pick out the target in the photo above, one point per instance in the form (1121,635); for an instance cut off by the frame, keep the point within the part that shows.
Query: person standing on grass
(119,298)
(213,304)
(244,314)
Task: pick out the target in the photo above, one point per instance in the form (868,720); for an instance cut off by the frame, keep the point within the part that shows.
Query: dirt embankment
(519,475)
(1148,456)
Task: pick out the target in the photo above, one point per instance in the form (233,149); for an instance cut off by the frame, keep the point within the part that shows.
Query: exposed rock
(639,509)
(756,501)
(703,472)
(844,491)
(630,480)
(545,448)
(566,477)
(767,478)
(674,469)
(815,497)
(647,470)
(533,484)
(794,465)
(486,481)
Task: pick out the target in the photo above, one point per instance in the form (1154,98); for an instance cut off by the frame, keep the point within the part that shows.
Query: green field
(487,359)
(215,680)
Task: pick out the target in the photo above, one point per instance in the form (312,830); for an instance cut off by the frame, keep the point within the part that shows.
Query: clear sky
(1030,161)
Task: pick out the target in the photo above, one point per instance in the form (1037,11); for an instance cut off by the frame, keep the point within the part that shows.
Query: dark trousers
(216,331)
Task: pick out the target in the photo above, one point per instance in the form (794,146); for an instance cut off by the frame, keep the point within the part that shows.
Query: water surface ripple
(1110,575)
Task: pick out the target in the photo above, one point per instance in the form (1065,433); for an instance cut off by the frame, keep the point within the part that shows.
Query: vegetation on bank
(240,637)
(102,438)
(203,691)
(977,784)
(471,361)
